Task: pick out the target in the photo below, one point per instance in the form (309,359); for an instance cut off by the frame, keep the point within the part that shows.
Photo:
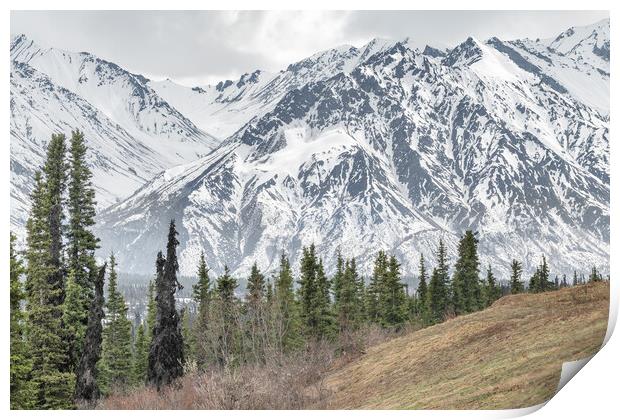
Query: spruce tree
(256,286)
(337,279)
(326,321)
(595,276)
(515,278)
(202,289)
(55,171)
(227,311)
(350,303)
(116,354)
(392,296)
(166,356)
(308,289)
(422,292)
(21,391)
(438,287)
(86,387)
(53,382)
(466,283)
(140,356)
(375,288)
(82,244)
(289,323)
(492,290)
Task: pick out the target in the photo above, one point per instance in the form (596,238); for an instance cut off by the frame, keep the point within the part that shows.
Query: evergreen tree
(515,278)
(226,311)
(349,305)
(21,392)
(82,243)
(492,290)
(392,296)
(375,288)
(438,292)
(256,286)
(337,279)
(422,292)
(308,289)
(140,356)
(86,387)
(202,289)
(539,282)
(55,171)
(595,276)
(116,353)
(52,381)
(166,357)
(289,323)
(256,314)
(466,283)
(325,319)
(226,285)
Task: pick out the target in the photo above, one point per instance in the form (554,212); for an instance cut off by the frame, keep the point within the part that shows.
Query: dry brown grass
(507,356)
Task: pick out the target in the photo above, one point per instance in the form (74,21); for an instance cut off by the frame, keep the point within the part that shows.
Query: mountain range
(388,146)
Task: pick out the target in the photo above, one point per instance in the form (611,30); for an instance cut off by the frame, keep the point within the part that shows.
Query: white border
(592,393)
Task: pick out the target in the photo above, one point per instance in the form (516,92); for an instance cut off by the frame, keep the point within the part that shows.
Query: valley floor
(507,356)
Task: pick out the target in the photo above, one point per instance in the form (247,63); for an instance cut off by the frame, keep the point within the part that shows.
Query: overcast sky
(197,48)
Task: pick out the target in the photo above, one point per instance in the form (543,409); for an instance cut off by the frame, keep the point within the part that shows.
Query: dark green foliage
(467,296)
(21,393)
(255,286)
(349,306)
(314,293)
(55,171)
(438,300)
(595,275)
(202,289)
(115,365)
(52,380)
(539,282)
(86,387)
(392,298)
(82,243)
(166,356)
(287,311)
(375,288)
(422,306)
(492,290)
(140,356)
(516,286)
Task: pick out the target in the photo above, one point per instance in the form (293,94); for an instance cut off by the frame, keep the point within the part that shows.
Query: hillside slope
(508,356)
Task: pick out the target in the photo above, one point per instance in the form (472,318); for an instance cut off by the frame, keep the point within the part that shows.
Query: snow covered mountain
(132,133)
(390,146)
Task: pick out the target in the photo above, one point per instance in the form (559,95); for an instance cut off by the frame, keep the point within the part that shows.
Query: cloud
(199,47)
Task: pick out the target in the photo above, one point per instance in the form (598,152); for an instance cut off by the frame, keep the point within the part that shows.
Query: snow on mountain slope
(226,107)
(133,134)
(393,152)
(123,97)
(120,162)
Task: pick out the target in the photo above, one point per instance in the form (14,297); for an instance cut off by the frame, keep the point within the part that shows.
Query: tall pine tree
(86,387)
(515,277)
(21,392)
(438,300)
(287,311)
(466,288)
(52,377)
(116,354)
(166,356)
(82,243)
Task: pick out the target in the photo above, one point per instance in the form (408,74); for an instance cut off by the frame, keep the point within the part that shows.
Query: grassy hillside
(507,356)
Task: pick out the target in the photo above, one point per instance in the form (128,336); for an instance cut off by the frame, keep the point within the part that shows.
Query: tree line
(70,344)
